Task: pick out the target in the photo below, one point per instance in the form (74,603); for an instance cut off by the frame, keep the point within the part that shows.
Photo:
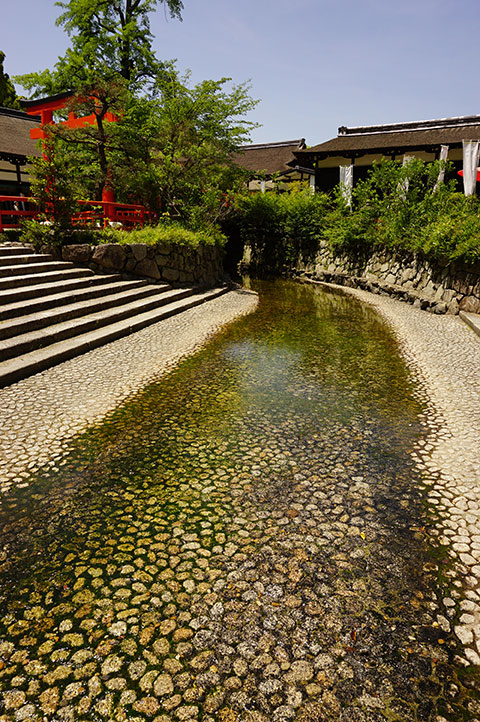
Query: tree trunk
(125,59)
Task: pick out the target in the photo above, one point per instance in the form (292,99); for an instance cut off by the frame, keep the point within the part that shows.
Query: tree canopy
(107,39)
(172,151)
(8,96)
(172,144)
(184,139)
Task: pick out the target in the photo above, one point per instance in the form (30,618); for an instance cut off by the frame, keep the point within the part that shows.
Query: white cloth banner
(346,182)
(443,160)
(471,154)
(403,186)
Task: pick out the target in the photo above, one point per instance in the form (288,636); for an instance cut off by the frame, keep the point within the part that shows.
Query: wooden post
(108,197)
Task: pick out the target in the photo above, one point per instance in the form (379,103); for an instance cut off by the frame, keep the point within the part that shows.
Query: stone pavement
(444,355)
(240,542)
(205,576)
(40,414)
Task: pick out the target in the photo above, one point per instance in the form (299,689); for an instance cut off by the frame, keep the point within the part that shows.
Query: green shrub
(281,229)
(11,235)
(169,233)
(44,234)
(435,222)
(396,208)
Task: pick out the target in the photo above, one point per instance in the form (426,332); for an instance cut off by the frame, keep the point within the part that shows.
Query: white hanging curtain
(403,186)
(443,160)
(346,182)
(471,154)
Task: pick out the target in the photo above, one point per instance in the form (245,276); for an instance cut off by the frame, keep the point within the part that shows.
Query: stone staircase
(51,311)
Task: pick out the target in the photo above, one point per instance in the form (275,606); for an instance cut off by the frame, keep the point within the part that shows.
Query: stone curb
(472,320)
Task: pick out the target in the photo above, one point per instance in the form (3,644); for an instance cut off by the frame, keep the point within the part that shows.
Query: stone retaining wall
(448,288)
(176,264)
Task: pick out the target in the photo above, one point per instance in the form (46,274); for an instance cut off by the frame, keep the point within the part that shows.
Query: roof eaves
(40,101)
(280,144)
(438,123)
(14,113)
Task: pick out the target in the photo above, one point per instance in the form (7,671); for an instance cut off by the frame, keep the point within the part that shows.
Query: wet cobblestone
(445,356)
(40,414)
(248,539)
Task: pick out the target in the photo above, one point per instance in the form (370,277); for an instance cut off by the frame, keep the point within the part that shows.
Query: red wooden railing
(13,209)
(97,214)
(103,213)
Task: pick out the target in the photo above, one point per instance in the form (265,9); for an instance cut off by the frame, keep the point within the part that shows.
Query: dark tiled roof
(268,158)
(461,120)
(15,133)
(41,101)
(400,136)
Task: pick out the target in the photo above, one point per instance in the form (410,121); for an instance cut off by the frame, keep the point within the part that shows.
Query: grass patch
(172,234)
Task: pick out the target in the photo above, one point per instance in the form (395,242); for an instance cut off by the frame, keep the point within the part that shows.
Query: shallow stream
(246,539)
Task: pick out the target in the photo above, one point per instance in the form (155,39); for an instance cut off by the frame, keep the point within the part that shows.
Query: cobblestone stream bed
(246,539)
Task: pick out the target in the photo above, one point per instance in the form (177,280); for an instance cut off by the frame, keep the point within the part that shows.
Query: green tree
(108,39)
(56,199)
(110,55)
(87,149)
(8,96)
(172,151)
(193,133)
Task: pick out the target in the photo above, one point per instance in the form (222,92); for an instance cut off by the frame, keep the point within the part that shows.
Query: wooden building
(359,147)
(15,146)
(273,165)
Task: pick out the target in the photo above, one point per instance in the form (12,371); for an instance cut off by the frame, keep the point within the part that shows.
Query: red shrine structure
(97,213)
(45,108)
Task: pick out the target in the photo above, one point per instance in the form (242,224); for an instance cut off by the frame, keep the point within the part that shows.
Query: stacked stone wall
(439,288)
(172,263)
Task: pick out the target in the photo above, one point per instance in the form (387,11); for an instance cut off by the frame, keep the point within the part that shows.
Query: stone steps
(12,250)
(54,311)
(31,323)
(33,267)
(19,282)
(18,258)
(40,292)
(70,294)
(15,369)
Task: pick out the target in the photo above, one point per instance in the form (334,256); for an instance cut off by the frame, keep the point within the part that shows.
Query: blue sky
(314,64)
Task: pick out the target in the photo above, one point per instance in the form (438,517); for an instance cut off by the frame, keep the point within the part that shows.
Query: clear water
(243,540)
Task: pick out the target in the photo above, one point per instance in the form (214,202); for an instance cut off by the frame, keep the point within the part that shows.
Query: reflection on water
(242,541)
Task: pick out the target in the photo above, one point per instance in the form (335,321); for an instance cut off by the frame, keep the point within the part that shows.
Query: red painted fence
(13,209)
(100,214)
(97,214)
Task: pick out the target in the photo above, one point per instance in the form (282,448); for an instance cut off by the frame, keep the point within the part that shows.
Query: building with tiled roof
(272,164)
(362,145)
(15,147)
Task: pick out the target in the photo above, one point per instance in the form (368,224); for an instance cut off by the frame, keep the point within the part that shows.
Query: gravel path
(445,357)
(40,414)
